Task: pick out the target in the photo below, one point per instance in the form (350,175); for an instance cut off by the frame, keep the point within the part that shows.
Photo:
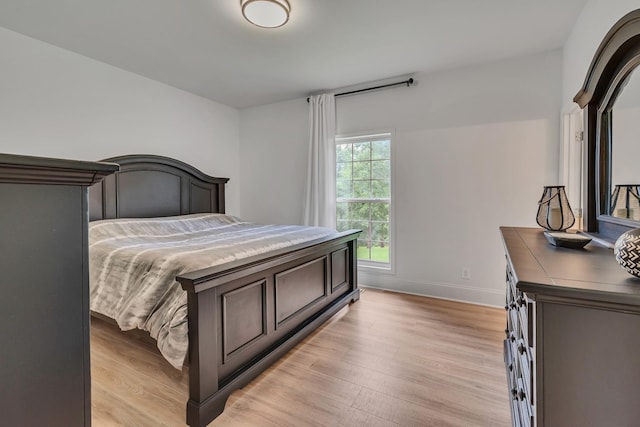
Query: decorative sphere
(627,251)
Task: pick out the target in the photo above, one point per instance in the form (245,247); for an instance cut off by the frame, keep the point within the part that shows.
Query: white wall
(473,149)
(273,149)
(595,20)
(56,103)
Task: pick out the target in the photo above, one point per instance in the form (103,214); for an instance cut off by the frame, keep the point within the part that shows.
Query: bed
(242,313)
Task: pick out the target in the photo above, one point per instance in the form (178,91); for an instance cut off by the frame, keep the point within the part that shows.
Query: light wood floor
(388,360)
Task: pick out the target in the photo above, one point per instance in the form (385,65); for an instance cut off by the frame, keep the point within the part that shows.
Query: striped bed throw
(133,264)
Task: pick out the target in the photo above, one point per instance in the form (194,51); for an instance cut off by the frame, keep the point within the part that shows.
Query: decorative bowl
(567,240)
(627,251)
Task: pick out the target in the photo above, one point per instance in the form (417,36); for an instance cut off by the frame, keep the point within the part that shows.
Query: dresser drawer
(512,325)
(511,367)
(510,279)
(526,369)
(524,408)
(526,316)
(519,352)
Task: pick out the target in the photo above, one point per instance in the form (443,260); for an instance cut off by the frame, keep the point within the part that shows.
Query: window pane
(359,211)
(343,225)
(364,226)
(380,189)
(380,212)
(344,189)
(380,170)
(343,171)
(361,151)
(363,250)
(379,251)
(361,170)
(342,211)
(380,231)
(381,150)
(343,153)
(362,189)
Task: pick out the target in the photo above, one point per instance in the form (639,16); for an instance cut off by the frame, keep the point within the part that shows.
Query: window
(363,194)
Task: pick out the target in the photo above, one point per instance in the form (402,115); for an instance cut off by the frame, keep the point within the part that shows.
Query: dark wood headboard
(153,186)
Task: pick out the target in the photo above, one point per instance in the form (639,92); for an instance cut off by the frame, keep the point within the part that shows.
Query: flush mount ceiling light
(266,13)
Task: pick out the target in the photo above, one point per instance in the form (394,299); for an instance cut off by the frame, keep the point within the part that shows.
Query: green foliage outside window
(363,189)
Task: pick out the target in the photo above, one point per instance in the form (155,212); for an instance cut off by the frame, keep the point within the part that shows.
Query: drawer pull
(521,348)
(514,393)
(521,394)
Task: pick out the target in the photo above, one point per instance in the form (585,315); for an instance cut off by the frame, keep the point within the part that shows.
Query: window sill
(372,268)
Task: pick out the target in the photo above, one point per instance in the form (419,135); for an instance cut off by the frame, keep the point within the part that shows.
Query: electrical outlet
(465,273)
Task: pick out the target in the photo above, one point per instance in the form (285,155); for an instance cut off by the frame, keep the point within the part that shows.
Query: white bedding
(133,264)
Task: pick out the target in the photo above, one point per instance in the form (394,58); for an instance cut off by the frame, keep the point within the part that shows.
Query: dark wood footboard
(245,315)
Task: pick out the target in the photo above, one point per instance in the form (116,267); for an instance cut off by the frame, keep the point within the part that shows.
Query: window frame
(383,134)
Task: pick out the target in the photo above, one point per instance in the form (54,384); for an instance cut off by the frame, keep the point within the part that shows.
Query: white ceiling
(207,48)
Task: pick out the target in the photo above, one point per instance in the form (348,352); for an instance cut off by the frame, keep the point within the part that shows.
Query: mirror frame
(617,55)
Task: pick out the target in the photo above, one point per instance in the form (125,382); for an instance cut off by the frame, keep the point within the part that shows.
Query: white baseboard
(448,291)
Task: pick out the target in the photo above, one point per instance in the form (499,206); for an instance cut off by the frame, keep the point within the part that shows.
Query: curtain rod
(408,82)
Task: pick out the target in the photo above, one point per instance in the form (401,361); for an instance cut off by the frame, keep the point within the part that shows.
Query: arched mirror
(611,99)
(622,133)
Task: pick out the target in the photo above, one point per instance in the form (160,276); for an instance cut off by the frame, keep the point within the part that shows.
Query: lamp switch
(465,273)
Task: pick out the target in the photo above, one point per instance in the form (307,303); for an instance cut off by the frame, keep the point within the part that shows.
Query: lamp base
(567,240)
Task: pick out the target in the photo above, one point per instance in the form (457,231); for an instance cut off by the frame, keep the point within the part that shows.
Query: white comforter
(133,264)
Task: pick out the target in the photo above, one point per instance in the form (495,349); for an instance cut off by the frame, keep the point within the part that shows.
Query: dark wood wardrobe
(45,377)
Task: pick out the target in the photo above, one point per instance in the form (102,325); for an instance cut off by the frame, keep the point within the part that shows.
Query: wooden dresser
(572,349)
(44,300)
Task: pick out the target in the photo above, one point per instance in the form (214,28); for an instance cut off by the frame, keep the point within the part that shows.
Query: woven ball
(627,251)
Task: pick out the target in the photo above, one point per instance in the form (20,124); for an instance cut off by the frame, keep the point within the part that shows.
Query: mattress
(133,264)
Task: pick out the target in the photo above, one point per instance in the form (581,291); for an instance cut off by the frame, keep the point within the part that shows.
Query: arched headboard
(154,186)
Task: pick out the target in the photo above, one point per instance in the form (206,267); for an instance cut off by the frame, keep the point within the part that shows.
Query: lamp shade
(266,13)
(625,201)
(554,211)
